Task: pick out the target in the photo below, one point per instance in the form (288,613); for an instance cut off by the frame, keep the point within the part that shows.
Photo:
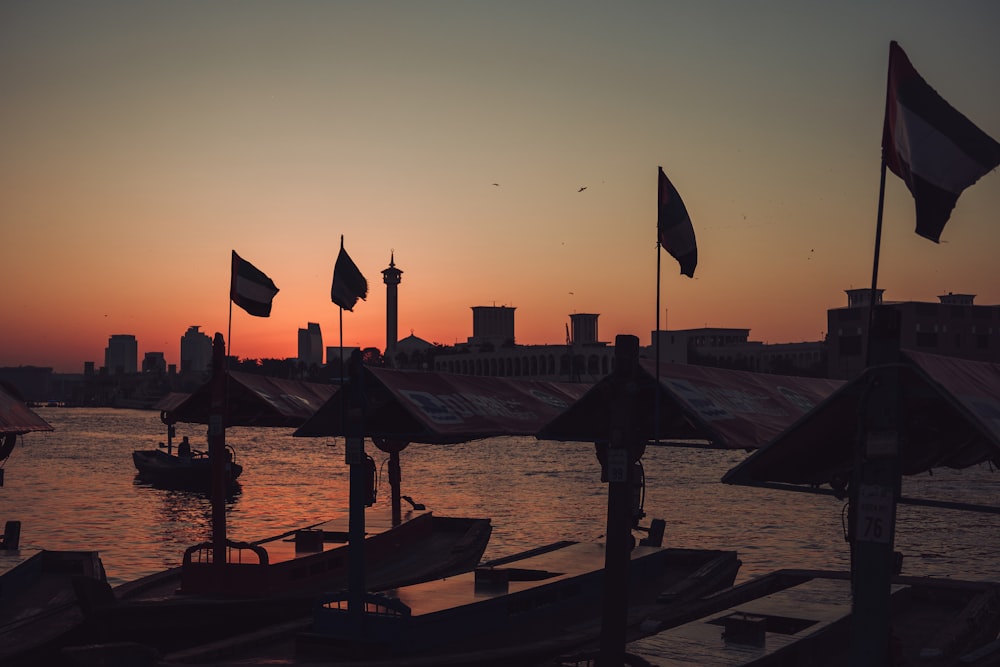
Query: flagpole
(229,333)
(656,331)
(878,248)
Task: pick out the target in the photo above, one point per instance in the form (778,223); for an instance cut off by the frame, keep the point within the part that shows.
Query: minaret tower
(391,277)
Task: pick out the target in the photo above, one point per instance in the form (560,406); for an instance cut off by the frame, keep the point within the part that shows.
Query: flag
(348,283)
(250,289)
(673,227)
(936,150)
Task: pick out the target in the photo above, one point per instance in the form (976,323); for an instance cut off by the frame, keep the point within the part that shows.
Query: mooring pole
(354,455)
(617,457)
(218,416)
(875,490)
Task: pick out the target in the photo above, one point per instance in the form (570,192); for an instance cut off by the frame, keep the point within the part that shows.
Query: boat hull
(172,472)
(199,602)
(524,609)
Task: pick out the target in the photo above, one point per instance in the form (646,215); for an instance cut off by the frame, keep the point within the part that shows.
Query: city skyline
(503,154)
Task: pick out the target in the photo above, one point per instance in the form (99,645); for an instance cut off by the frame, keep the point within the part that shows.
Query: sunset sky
(142,142)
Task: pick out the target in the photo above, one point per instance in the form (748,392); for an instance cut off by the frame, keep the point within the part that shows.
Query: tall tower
(391,277)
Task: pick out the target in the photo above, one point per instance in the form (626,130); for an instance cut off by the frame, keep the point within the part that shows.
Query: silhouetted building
(121,356)
(311,345)
(492,327)
(33,383)
(492,352)
(954,327)
(391,277)
(412,353)
(584,327)
(154,362)
(196,351)
(731,348)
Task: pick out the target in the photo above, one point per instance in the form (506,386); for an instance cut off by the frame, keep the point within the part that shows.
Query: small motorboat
(189,469)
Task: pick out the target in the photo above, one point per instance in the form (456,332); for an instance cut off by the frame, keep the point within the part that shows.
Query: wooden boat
(803,617)
(516,610)
(37,603)
(276,579)
(172,471)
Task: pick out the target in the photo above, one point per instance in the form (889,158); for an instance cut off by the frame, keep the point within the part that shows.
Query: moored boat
(803,617)
(517,610)
(276,579)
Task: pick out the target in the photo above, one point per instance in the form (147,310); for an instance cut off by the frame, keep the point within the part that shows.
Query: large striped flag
(250,289)
(936,150)
(673,227)
(349,284)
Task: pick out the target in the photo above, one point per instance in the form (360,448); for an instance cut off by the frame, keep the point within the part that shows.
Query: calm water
(75,488)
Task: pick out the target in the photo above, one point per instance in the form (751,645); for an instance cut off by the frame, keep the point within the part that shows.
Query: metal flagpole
(878,248)
(656,331)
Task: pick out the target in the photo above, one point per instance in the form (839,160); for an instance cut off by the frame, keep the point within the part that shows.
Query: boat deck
(538,570)
(786,616)
(37,599)
(809,623)
(333,534)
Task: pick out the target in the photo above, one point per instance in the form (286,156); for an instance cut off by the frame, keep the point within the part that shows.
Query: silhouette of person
(184,449)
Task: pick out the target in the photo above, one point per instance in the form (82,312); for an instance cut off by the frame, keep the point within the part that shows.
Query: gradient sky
(142,142)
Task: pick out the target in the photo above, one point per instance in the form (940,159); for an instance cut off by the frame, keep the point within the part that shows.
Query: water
(75,488)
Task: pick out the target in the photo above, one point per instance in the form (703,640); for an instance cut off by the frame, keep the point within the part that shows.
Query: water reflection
(76,488)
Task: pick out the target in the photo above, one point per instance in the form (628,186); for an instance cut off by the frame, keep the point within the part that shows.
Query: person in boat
(184,449)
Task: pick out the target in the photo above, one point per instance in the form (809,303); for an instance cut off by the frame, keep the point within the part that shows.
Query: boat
(275,579)
(520,609)
(803,617)
(37,601)
(252,400)
(191,471)
(38,605)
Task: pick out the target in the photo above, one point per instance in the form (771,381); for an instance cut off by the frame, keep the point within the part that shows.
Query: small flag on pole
(673,227)
(348,283)
(936,150)
(250,289)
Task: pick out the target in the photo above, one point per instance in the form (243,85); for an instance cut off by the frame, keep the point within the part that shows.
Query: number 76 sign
(875,505)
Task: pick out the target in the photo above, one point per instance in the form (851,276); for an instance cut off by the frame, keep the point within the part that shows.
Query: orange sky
(142,144)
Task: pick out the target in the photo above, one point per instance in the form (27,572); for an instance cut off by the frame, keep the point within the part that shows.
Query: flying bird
(497,184)
(582,189)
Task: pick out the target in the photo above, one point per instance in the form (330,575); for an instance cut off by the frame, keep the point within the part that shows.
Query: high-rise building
(121,356)
(311,345)
(196,350)
(391,277)
(154,362)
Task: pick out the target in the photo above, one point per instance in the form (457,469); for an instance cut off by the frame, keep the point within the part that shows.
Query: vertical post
(354,454)
(395,481)
(622,450)
(878,249)
(875,489)
(218,415)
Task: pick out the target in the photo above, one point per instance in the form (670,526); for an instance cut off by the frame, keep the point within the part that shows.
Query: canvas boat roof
(444,408)
(254,400)
(16,417)
(728,409)
(951,418)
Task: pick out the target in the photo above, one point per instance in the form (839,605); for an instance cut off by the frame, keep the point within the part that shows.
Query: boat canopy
(698,405)
(444,408)
(253,400)
(951,418)
(170,402)
(16,417)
